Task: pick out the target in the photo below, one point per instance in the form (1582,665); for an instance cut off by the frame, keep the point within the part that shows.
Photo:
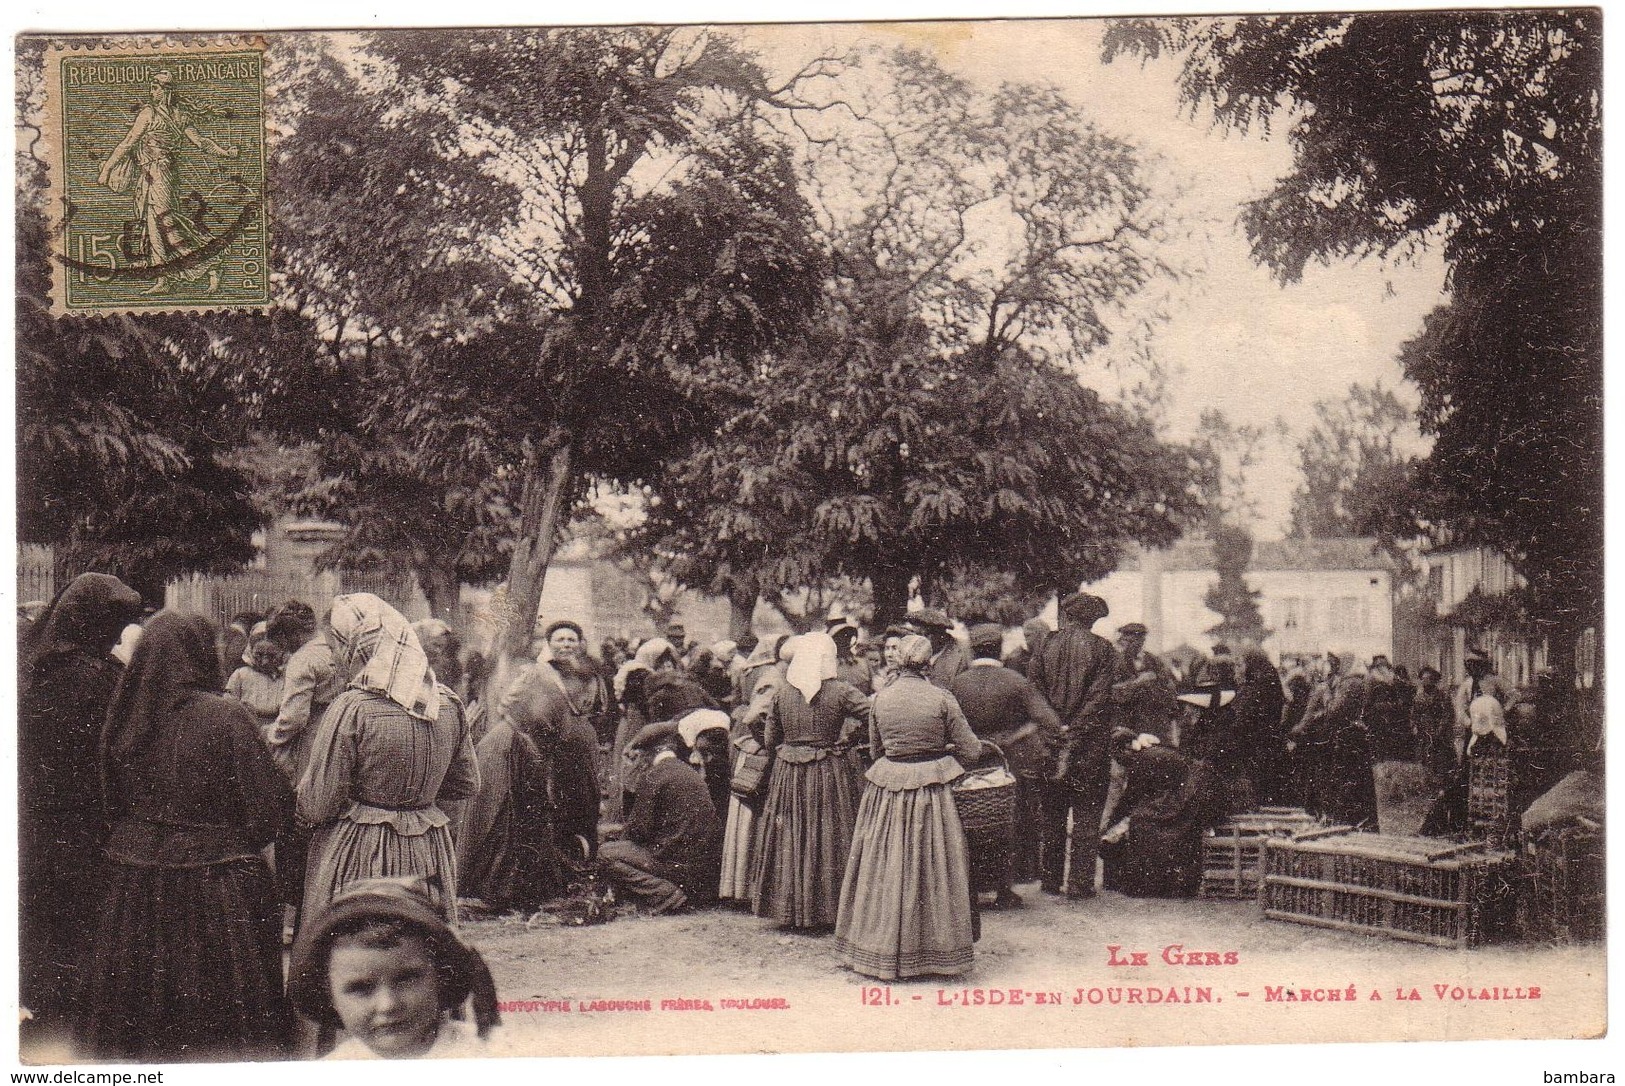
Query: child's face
(387,999)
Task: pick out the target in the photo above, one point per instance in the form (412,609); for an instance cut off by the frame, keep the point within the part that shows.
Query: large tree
(930,423)
(519,246)
(126,425)
(1356,474)
(1478,132)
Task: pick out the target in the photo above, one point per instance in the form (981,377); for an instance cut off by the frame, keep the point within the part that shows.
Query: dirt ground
(647,985)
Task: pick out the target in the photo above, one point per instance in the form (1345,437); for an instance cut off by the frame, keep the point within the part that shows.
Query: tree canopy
(1356,478)
(127,426)
(1478,132)
(1230,597)
(526,243)
(930,422)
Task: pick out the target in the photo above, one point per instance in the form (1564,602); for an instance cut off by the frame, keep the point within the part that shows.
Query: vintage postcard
(802,538)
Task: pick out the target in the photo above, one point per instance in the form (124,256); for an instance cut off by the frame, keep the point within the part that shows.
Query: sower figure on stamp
(154,142)
(1074,671)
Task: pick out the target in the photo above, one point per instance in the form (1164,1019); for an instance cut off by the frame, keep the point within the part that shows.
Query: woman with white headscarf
(805,829)
(906,904)
(389,747)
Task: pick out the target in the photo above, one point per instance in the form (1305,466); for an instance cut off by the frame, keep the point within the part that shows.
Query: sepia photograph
(711,538)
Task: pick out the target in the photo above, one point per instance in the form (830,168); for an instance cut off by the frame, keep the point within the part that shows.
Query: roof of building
(1351,553)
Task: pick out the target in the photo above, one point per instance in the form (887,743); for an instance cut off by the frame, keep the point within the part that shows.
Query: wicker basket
(1412,888)
(986,797)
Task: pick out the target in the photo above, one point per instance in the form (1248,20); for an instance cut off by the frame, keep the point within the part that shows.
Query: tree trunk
(890,587)
(741,607)
(443,590)
(543,504)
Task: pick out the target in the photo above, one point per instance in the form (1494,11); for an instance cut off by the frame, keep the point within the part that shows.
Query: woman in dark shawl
(1259,728)
(1213,735)
(67,677)
(187,959)
(1154,845)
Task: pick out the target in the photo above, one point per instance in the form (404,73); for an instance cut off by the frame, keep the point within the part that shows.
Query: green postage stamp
(158,185)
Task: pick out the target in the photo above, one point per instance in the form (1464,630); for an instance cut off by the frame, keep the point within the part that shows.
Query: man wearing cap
(1142,687)
(1004,708)
(1074,671)
(947,658)
(671,855)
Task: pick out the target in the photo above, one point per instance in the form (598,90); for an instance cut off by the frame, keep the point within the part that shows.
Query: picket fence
(36,573)
(220,597)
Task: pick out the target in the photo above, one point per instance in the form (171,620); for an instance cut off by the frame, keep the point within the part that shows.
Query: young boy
(382,965)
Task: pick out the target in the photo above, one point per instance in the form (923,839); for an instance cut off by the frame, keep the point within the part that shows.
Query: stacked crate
(1489,786)
(1562,885)
(1233,852)
(1414,888)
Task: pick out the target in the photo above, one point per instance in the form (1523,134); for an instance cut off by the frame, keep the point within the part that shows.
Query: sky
(1234,338)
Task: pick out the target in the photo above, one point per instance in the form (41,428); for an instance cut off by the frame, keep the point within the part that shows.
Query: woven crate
(1233,852)
(1413,888)
(1561,886)
(1489,783)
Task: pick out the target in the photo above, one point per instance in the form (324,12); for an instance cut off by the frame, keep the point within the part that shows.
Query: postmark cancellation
(158,178)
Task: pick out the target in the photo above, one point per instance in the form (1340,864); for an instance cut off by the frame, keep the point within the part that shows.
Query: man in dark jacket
(1142,687)
(1074,671)
(672,854)
(1005,708)
(947,658)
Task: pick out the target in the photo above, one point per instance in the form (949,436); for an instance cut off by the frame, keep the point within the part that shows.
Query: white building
(1317,595)
(1460,575)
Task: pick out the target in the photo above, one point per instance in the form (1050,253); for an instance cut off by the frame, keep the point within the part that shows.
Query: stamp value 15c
(158,190)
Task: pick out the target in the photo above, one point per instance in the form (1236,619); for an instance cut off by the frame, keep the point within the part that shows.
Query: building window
(1348,615)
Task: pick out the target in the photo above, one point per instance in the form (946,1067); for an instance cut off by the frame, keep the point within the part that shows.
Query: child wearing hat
(382,965)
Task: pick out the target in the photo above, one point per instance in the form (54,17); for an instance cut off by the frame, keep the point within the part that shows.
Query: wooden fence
(36,573)
(220,597)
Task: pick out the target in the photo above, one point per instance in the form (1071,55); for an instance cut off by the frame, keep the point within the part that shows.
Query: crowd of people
(341,783)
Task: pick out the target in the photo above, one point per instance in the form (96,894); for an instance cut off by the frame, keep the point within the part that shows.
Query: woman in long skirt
(805,832)
(906,900)
(187,960)
(67,678)
(389,747)
(762,677)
